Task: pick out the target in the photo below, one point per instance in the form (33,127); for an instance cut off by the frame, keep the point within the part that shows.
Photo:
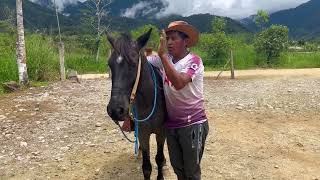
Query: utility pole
(61,47)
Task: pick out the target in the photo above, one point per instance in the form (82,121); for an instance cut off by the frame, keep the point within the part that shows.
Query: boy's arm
(179,80)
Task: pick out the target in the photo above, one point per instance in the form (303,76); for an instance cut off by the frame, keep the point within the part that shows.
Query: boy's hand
(162,45)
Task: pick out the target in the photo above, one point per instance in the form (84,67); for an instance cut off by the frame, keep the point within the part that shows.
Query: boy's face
(175,44)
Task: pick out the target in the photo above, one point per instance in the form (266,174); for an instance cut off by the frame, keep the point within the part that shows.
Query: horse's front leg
(160,159)
(146,164)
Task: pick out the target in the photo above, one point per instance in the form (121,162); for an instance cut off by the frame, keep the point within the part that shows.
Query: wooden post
(61,47)
(232,64)
(224,67)
(62,67)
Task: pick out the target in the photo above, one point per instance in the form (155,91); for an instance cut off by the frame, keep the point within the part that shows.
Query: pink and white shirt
(185,107)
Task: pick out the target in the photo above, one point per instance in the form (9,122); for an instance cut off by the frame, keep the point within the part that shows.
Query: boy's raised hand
(163,44)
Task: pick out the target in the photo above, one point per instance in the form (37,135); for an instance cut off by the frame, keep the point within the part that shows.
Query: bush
(217,47)
(42,58)
(272,41)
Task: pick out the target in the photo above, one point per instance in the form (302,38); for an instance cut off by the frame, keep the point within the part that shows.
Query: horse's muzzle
(116,113)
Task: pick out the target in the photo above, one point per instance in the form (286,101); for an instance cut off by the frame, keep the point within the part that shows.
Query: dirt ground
(263,125)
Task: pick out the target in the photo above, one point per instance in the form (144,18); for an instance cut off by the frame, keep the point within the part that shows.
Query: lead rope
(133,109)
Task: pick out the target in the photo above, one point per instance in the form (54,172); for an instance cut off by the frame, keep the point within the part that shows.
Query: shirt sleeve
(192,67)
(155,60)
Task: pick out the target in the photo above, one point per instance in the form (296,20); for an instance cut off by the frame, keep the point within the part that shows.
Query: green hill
(75,20)
(303,21)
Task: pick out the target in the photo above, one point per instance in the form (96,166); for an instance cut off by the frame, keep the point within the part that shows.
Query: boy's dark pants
(186,147)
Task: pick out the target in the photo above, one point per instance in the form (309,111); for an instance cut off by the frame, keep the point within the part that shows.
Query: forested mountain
(76,18)
(303,21)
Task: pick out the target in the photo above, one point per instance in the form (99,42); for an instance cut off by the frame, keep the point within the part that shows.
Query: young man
(187,125)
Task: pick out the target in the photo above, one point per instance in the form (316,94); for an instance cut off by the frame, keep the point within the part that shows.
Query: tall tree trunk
(98,34)
(98,51)
(21,50)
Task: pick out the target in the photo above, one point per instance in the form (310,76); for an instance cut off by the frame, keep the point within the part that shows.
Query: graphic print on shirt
(185,106)
(193,66)
(167,81)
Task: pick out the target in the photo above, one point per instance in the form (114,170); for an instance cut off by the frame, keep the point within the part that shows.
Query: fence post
(232,64)
(62,67)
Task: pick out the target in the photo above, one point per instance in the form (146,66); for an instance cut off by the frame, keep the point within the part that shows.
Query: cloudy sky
(230,8)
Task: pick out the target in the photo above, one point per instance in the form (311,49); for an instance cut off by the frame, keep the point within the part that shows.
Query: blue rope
(155,97)
(136,129)
(135,113)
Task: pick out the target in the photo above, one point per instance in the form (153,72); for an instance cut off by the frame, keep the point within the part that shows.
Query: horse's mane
(123,44)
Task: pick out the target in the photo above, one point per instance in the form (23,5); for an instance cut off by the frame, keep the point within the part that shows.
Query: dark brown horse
(123,64)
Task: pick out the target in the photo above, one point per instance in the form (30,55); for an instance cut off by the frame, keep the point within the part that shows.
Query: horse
(124,63)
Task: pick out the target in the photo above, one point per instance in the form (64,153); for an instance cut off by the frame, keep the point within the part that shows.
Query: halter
(133,109)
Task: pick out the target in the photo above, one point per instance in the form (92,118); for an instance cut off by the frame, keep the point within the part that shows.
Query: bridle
(133,112)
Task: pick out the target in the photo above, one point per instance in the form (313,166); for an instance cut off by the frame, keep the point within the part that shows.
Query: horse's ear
(143,39)
(110,39)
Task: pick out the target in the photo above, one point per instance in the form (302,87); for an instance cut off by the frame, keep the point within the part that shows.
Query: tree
(21,50)
(272,41)
(216,44)
(8,20)
(262,19)
(218,24)
(311,47)
(98,9)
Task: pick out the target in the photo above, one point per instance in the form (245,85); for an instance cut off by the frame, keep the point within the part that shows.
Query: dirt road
(263,125)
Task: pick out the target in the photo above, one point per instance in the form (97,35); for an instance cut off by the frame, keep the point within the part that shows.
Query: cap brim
(188,30)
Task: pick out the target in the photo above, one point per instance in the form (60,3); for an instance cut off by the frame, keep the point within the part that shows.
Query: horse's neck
(145,91)
(146,97)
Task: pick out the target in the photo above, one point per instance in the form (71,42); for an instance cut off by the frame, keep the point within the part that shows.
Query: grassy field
(246,58)
(43,57)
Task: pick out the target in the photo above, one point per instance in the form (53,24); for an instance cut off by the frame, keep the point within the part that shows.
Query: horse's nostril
(116,113)
(120,111)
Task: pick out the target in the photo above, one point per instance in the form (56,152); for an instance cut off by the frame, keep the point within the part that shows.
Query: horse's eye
(133,54)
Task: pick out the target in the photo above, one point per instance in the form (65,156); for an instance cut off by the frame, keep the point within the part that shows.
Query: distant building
(296,48)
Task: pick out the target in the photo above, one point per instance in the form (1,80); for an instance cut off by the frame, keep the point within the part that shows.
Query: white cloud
(143,6)
(230,8)
(60,3)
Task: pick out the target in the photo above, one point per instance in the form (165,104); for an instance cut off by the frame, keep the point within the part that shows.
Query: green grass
(83,63)
(43,57)
(300,60)
(39,83)
(8,65)
(245,58)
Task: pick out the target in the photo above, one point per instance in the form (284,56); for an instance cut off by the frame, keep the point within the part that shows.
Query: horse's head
(123,64)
